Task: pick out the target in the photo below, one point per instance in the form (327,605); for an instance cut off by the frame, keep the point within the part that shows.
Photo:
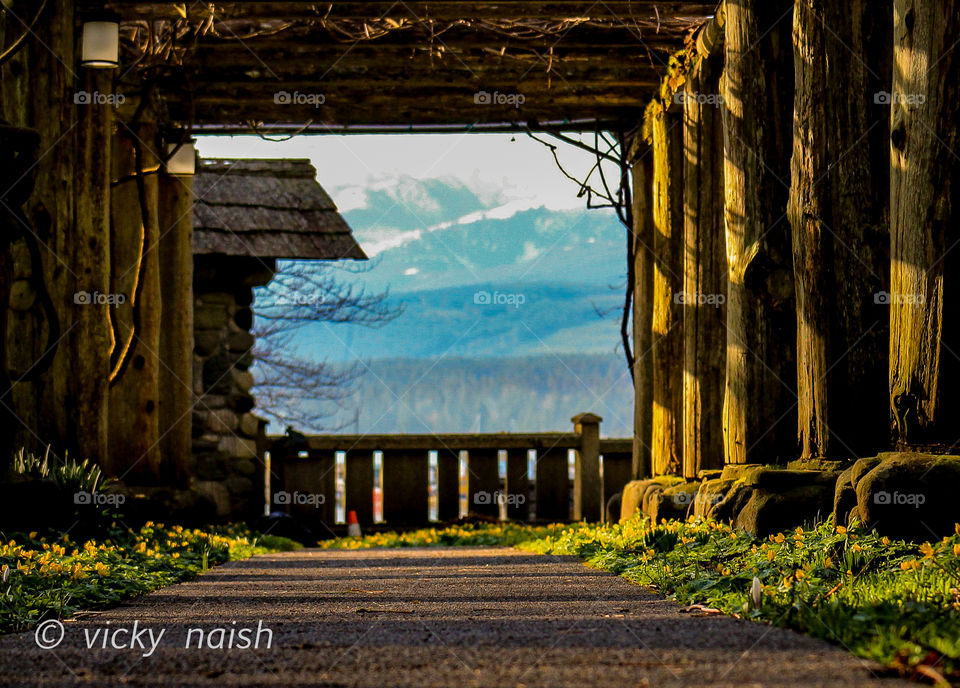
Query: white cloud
(530,252)
(501,169)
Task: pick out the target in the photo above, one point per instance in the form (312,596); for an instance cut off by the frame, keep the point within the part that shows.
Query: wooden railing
(456,473)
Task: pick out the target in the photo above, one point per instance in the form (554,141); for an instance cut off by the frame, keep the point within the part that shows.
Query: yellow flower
(926,549)
(956,550)
(176,555)
(912,564)
(841,530)
(77,572)
(800,574)
(885,540)
(828,563)
(770,554)
(33,535)
(779,538)
(799,531)
(857,548)
(102,569)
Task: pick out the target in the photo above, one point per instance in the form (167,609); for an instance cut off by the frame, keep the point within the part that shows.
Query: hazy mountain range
(496,296)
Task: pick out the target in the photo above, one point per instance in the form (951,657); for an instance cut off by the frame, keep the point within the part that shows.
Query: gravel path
(490,617)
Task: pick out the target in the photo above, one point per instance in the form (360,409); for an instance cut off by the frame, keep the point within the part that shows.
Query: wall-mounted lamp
(182,161)
(100,42)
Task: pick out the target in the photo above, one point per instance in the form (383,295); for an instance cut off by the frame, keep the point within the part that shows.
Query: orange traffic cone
(353,525)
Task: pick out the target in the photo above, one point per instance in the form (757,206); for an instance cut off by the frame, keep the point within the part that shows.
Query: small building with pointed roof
(247,214)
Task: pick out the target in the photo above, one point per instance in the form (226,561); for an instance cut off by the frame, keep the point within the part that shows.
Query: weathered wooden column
(134,388)
(175,372)
(925,223)
(704,268)
(667,345)
(759,412)
(642,171)
(587,486)
(837,210)
(38,85)
(89,339)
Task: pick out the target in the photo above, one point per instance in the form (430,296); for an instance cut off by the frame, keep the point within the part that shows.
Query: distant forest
(512,394)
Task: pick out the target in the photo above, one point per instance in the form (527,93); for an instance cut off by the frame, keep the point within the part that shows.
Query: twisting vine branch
(621,200)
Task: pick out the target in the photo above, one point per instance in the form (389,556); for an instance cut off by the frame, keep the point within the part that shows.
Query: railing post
(587,486)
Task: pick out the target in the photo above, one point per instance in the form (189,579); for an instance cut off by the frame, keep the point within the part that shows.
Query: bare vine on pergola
(595,186)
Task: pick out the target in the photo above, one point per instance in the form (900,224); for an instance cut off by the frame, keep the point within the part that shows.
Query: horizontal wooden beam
(646,10)
(545,440)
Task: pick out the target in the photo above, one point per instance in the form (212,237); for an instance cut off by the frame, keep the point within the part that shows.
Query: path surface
(488,617)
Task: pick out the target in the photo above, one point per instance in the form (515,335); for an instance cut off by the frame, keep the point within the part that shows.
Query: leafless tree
(295,389)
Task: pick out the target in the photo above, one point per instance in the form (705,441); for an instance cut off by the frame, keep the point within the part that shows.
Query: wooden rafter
(418,63)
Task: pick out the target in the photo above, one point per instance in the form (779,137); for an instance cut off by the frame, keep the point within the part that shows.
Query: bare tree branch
(296,389)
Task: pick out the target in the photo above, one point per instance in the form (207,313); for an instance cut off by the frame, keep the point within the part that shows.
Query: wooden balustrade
(497,481)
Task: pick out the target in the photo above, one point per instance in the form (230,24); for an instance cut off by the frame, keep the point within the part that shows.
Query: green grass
(892,602)
(468,535)
(55,578)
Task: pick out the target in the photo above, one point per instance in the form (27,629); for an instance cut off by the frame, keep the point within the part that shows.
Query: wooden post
(38,85)
(518,486)
(553,485)
(759,412)
(667,417)
(838,203)
(483,482)
(406,475)
(176,396)
(359,479)
(587,486)
(448,485)
(309,484)
(924,213)
(704,270)
(88,342)
(134,417)
(643,233)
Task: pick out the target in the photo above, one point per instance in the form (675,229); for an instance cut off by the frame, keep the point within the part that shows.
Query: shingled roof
(267,209)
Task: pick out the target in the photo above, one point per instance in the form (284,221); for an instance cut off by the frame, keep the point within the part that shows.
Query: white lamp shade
(184,161)
(100,44)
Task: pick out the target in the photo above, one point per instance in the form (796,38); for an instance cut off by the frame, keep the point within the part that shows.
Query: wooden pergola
(798,159)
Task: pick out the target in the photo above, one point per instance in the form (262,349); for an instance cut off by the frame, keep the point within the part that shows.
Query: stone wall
(227,461)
